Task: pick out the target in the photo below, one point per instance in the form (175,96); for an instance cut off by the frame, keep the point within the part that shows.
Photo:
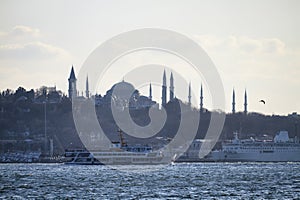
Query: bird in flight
(263,101)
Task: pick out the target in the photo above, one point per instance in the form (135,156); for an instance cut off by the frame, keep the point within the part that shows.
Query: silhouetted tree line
(22,117)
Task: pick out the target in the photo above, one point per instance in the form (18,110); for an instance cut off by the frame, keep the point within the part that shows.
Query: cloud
(245,44)
(24,42)
(20,33)
(244,60)
(242,44)
(34,50)
(273,45)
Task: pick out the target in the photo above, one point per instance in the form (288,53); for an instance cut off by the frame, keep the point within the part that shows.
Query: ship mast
(123,143)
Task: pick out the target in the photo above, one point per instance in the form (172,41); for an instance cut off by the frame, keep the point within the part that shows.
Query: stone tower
(201,99)
(72,84)
(87,92)
(233,102)
(245,103)
(171,87)
(150,92)
(190,95)
(164,90)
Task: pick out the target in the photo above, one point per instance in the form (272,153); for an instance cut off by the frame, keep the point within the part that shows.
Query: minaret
(171,87)
(87,93)
(245,103)
(72,84)
(189,97)
(233,102)
(150,92)
(201,99)
(164,90)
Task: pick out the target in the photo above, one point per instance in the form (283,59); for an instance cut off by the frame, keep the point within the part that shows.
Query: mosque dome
(122,94)
(123,86)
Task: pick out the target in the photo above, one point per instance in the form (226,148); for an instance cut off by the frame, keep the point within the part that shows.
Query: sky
(255,45)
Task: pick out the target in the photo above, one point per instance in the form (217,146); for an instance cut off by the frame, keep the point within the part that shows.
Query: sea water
(179,181)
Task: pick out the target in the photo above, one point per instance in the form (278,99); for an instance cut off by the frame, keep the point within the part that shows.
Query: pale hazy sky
(254,44)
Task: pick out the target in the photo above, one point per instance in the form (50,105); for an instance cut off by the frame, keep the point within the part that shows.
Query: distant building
(136,101)
(72,84)
(120,100)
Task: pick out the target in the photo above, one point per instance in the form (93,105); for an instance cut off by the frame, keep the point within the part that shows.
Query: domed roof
(123,85)
(122,89)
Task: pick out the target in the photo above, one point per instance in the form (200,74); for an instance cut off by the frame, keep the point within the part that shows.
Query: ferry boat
(280,149)
(123,156)
(119,153)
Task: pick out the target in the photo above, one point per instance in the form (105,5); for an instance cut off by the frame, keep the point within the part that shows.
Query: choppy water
(189,181)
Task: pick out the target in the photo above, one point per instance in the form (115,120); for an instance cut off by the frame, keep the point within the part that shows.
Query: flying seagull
(263,101)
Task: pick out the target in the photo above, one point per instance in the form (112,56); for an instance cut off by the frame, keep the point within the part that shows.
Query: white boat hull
(257,156)
(281,149)
(117,158)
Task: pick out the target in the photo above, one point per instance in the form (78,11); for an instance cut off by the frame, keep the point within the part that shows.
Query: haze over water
(190,181)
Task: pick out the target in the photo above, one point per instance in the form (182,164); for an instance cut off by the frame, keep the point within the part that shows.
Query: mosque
(136,100)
